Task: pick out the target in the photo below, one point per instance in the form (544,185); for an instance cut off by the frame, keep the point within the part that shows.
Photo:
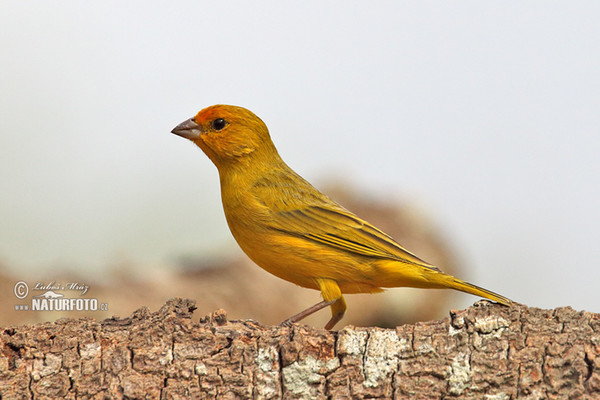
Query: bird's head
(228,134)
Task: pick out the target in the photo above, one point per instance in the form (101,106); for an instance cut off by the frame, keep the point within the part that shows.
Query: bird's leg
(338,309)
(332,296)
(310,310)
(330,290)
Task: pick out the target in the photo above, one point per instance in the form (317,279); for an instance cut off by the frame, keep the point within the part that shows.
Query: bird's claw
(287,323)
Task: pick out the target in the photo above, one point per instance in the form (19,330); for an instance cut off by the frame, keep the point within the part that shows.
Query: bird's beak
(188,129)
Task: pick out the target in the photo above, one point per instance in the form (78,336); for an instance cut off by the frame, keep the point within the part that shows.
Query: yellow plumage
(295,232)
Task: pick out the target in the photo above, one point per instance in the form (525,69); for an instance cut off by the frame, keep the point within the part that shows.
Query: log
(484,352)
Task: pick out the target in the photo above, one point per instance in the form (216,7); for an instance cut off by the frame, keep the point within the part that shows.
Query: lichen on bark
(484,352)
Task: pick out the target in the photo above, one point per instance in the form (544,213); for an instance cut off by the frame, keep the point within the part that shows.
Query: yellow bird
(297,233)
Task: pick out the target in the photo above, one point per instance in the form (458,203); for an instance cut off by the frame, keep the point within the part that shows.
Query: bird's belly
(301,261)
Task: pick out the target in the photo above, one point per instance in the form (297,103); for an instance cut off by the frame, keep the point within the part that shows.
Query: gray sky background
(486,114)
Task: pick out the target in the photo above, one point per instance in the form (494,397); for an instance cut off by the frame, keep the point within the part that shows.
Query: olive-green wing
(334,226)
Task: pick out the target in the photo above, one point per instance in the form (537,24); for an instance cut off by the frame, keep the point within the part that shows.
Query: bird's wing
(332,225)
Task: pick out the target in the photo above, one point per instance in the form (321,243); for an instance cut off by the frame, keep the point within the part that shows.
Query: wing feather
(334,226)
(307,213)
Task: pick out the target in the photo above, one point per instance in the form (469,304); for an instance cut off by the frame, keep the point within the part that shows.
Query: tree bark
(485,352)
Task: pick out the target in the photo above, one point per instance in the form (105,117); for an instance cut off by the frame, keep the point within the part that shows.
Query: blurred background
(469,131)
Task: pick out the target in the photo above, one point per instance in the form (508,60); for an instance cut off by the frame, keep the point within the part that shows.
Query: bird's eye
(218,124)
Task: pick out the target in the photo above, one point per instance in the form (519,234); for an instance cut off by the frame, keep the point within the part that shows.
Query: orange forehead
(211,113)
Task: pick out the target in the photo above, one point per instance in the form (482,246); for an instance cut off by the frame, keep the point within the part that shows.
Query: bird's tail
(393,274)
(455,283)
